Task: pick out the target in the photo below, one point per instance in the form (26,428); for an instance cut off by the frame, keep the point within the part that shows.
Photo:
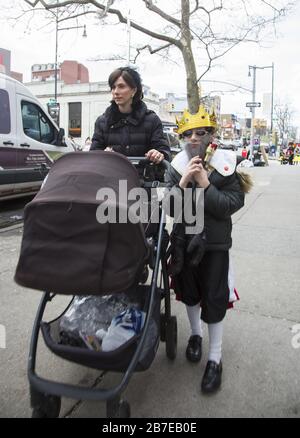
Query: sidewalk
(261,367)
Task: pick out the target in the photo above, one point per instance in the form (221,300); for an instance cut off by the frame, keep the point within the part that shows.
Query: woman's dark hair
(132,78)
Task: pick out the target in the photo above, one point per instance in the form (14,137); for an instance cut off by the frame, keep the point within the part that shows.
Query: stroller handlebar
(145,161)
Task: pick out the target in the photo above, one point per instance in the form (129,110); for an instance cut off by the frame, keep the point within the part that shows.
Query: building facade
(172,106)
(70,72)
(245,125)
(5,65)
(230,128)
(260,127)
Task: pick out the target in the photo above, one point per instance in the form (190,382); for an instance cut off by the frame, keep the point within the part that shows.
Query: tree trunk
(188,58)
(264,154)
(191,80)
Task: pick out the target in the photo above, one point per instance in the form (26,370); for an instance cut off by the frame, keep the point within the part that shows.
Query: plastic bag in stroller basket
(101,323)
(102,332)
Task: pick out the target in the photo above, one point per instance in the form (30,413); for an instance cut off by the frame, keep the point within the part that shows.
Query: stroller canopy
(65,249)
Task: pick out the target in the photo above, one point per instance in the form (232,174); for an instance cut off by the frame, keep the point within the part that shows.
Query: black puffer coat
(132,135)
(223,197)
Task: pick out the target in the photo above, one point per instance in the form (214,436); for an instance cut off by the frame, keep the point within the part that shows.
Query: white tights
(215,332)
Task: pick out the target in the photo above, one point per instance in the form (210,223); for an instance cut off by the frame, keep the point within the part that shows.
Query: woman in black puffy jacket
(127,126)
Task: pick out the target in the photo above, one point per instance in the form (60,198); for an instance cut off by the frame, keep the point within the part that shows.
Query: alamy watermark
(2,336)
(296,339)
(142,205)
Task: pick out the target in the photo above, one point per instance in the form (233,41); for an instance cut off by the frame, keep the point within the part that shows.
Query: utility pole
(56,43)
(254,67)
(272,98)
(252,109)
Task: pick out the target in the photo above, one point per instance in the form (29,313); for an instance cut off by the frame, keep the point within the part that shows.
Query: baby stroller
(66,250)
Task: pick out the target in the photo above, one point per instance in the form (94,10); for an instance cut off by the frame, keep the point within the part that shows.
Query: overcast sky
(36,44)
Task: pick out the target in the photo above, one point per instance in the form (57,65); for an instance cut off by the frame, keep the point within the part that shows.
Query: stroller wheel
(163,327)
(117,409)
(48,407)
(38,413)
(171,337)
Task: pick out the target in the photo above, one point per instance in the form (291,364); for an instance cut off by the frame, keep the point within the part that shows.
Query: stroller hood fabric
(65,249)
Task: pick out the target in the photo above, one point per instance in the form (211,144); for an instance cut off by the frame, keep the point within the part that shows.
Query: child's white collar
(223,161)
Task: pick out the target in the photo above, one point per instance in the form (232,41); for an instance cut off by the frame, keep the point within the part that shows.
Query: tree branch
(76,16)
(149,5)
(156,51)
(112,11)
(151,51)
(235,41)
(271,6)
(29,10)
(208,12)
(195,8)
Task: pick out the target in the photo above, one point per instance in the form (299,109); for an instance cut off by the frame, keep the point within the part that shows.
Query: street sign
(253,104)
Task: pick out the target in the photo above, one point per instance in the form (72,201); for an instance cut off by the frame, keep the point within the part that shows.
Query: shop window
(75,119)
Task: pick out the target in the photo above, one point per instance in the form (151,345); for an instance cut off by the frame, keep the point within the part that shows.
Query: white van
(29,140)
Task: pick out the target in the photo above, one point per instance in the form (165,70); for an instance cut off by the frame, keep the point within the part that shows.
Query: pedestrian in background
(290,153)
(244,152)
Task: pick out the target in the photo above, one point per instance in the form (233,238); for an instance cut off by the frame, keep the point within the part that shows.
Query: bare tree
(293,133)
(283,116)
(203,30)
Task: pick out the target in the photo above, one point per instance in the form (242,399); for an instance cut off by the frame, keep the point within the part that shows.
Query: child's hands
(195,172)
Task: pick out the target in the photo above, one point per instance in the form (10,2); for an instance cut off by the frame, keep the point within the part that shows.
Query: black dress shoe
(194,349)
(212,377)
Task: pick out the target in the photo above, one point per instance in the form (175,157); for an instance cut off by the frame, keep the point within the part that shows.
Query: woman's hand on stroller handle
(146,162)
(155,156)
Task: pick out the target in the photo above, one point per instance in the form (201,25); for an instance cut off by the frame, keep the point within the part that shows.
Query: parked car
(227,145)
(168,126)
(237,144)
(30,140)
(174,143)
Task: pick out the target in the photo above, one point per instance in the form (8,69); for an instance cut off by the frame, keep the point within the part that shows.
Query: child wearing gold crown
(200,264)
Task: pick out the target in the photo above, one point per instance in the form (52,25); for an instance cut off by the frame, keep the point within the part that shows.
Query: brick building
(229,127)
(70,72)
(5,65)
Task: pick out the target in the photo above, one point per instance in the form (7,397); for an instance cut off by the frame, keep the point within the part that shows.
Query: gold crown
(202,119)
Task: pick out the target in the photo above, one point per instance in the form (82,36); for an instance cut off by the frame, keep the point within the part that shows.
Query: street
(12,211)
(261,345)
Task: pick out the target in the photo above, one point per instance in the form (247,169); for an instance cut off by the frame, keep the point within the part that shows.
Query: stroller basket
(115,360)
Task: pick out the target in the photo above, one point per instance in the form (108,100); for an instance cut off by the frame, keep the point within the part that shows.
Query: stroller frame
(45,394)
